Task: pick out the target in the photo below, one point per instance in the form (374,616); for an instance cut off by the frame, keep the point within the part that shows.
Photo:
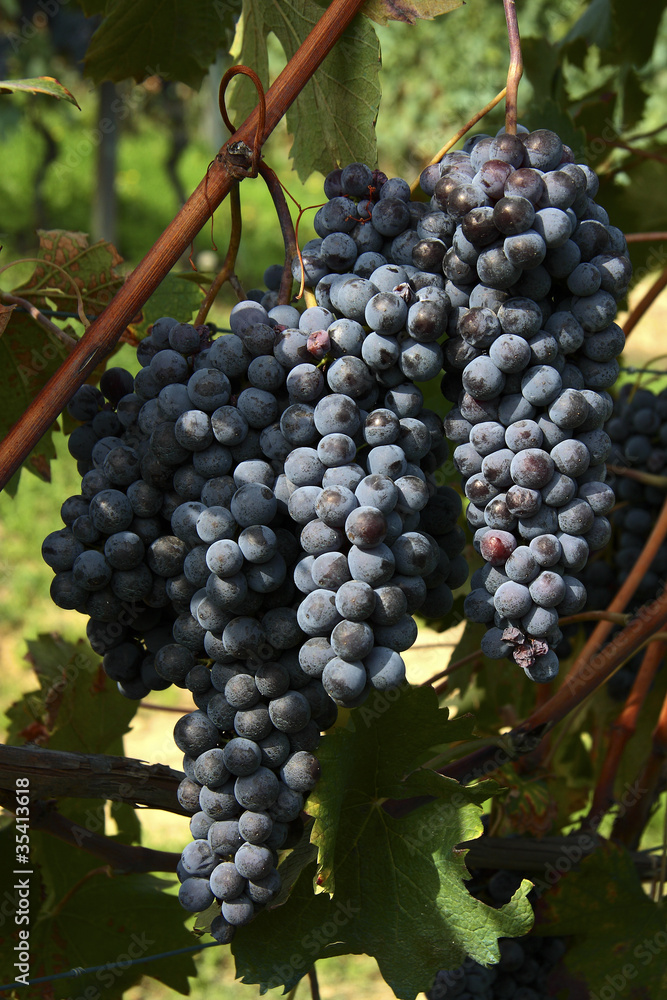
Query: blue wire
(75,973)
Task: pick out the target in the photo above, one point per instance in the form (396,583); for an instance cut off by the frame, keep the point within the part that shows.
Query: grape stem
(515,71)
(232,161)
(596,616)
(444,674)
(122,857)
(644,303)
(40,319)
(459,135)
(227,269)
(314,985)
(645,237)
(630,824)
(286,227)
(623,728)
(648,478)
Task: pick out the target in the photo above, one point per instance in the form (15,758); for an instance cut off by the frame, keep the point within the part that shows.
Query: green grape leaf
(29,356)
(400,892)
(76,707)
(179,41)
(333,118)
(618,933)
(177,295)
(631,211)
(91,918)
(409,11)
(39,85)
(92,269)
(613,26)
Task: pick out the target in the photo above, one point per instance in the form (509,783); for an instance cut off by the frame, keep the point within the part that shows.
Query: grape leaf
(93,269)
(176,296)
(76,707)
(100,919)
(614,27)
(174,39)
(399,892)
(29,356)
(333,118)
(409,11)
(618,932)
(39,85)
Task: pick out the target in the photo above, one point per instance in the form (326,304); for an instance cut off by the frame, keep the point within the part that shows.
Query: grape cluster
(534,272)
(525,966)
(272,493)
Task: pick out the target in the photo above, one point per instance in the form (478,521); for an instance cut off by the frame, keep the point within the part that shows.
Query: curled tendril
(261,122)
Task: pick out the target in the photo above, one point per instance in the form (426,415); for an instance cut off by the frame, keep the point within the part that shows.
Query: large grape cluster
(535,272)
(272,495)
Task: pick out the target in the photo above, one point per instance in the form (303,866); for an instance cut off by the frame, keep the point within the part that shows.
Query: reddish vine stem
(623,728)
(644,303)
(231,163)
(227,269)
(515,71)
(630,824)
(286,228)
(475,655)
(645,237)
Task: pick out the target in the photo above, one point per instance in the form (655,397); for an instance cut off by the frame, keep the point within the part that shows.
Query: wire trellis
(109,966)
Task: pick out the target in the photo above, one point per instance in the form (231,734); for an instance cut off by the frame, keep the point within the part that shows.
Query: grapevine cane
(233,159)
(629,826)
(645,302)
(623,728)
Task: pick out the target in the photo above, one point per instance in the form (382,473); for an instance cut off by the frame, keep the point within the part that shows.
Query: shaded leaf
(29,356)
(614,27)
(177,40)
(39,85)
(5,313)
(98,920)
(76,706)
(409,11)
(618,932)
(177,295)
(333,118)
